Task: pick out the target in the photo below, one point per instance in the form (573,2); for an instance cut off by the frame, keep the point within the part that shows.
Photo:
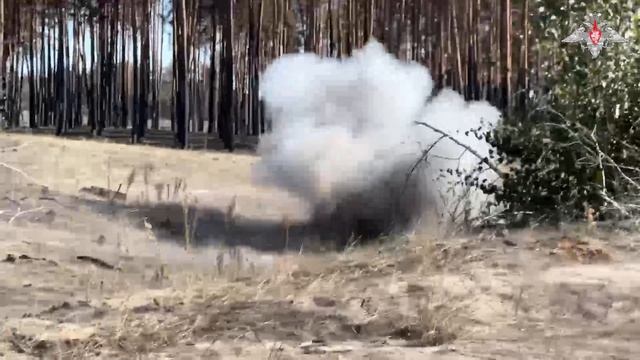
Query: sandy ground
(98,276)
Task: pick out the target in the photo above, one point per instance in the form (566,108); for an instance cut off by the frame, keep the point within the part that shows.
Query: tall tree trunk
(3,72)
(77,29)
(456,38)
(505,46)
(143,74)
(180,49)
(255,28)
(68,98)
(156,67)
(226,90)
(213,85)
(91,85)
(32,75)
(332,43)
(124,88)
(523,74)
(60,90)
(135,66)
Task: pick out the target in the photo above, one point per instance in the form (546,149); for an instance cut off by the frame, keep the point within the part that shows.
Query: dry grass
(395,298)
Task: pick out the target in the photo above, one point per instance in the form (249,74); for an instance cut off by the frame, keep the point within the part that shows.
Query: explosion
(345,139)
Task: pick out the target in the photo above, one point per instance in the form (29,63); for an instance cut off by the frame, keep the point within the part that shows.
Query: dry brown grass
(423,291)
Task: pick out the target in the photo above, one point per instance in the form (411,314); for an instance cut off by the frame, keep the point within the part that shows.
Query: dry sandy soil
(90,275)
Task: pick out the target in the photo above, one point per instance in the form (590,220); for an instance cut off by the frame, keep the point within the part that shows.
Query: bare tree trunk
(300,29)
(91,85)
(255,28)
(60,93)
(67,71)
(156,65)
(77,29)
(182,71)
(523,77)
(3,72)
(332,43)
(135,110)
(32,75)
(456,39)
(226,90)
(124,93)
(213,85)
(505,45)
(143,73)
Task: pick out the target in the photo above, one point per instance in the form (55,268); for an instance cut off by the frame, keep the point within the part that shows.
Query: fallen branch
(14,148)
(25,175)
(105,194)
(97,262)
(469,149)
(20,213)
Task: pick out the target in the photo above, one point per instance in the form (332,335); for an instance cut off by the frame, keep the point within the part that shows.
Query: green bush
(577,143)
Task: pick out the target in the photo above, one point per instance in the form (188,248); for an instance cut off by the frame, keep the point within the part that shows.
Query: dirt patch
(93,275)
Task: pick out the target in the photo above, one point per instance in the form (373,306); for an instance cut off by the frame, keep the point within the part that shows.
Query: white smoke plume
(344,137)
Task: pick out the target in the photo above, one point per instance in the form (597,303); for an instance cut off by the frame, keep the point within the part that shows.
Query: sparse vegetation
(576,146)
(217,267)
(402,294)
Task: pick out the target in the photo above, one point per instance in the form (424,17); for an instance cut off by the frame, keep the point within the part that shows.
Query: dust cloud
(344,138)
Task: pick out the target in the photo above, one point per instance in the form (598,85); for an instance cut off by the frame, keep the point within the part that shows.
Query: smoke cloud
(344,138)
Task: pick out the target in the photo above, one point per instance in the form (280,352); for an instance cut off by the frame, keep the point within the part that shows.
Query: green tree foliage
(577,143)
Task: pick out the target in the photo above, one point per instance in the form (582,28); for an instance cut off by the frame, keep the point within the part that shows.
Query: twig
(595,156)
(614,203)
(115,193)
(20,213)
(25,175)
(472,151)
(423,157)
(586,142)
(600,156)
(97,262)
(14,148)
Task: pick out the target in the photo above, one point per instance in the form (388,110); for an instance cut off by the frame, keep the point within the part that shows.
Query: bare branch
(595,157)
(25,175)
(20,213)
(600,156)
(469,149)
(422,158)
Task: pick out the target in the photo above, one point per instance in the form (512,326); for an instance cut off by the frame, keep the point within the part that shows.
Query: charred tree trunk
(255,28)
(124,89)
(143,74)
(135,111)
(60,91)
(91,83)
(32,77)
(226,90)
(181,74)
(77,76)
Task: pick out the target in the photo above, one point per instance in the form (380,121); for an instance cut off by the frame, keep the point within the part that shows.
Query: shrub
(577,142)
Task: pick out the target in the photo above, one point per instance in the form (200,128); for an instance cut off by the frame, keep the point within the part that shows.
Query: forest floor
(87,273)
